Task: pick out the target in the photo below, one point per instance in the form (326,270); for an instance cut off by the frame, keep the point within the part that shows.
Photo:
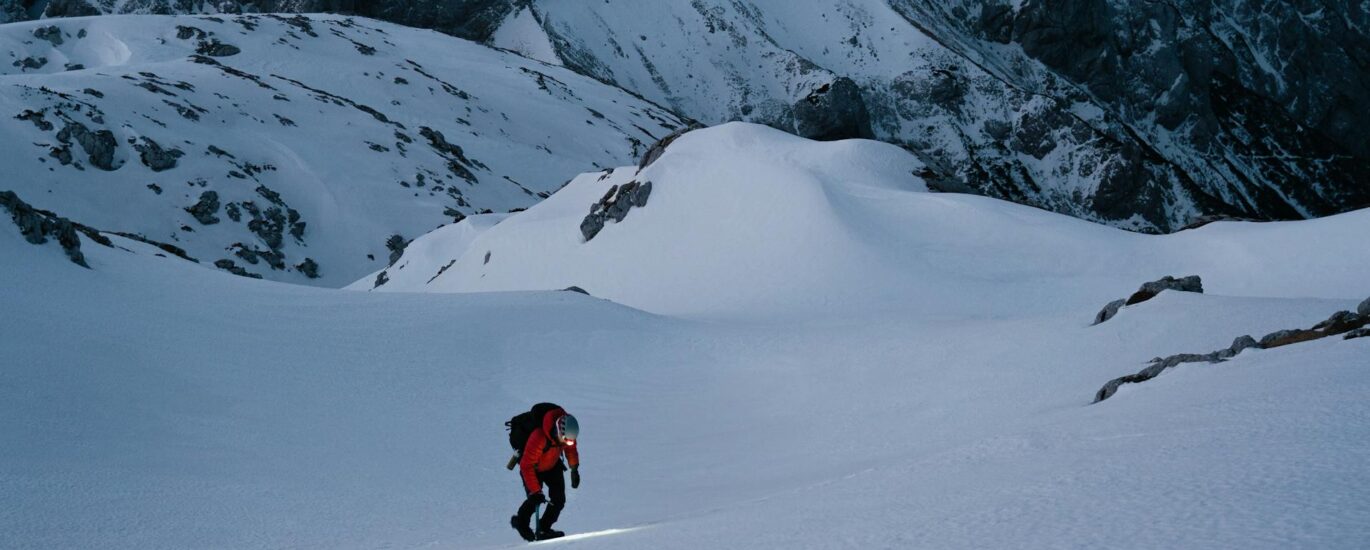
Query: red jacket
(541,452)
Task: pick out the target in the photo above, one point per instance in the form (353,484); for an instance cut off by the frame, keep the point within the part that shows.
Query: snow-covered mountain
(1143,115)
(832,357)
(295,148)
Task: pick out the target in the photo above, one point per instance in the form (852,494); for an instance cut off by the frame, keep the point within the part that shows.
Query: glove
(536,497)
(575,477)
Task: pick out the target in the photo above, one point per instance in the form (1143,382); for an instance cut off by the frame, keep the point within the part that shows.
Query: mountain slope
(1144,115)
(1058,104)
(293,147)
(940,402)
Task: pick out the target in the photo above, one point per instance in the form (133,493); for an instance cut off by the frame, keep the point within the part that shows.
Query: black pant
(556,494)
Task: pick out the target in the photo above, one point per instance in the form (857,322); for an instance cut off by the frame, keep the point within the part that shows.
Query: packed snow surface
(807,351)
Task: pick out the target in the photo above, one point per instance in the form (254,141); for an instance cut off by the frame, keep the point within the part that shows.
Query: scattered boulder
(615,206)
(204,211)
(1149,290)
(1364,307)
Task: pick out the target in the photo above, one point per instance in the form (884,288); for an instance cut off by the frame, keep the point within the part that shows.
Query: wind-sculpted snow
(744,219)
(293,147)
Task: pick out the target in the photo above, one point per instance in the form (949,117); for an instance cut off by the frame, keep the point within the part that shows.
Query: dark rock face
(576,289)
(1202,72)
(614,206)
(204,211)
(1149,290)
(833,111)
(99,145)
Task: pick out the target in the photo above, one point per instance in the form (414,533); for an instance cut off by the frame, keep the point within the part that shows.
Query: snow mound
(744,218)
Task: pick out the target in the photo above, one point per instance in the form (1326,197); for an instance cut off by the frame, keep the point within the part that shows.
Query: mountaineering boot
(522,528)
(549,533)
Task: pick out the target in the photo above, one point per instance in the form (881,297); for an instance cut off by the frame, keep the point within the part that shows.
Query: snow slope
(339,133)
(159,405)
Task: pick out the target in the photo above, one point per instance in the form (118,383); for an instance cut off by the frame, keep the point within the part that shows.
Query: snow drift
(744,218)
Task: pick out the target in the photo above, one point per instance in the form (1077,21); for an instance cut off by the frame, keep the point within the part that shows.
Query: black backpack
(522,426)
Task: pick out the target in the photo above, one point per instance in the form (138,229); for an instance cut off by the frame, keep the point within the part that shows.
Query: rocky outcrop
(659,148)
(614,206)
(155,157)
(1364,308)
(215,48)
(396,245)
(99,145)
(457,162)
(205,210)
(38,226)
(1341,322)
(1109,311)
(1148,291)
(309,268)
(50,33)
(231,267)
